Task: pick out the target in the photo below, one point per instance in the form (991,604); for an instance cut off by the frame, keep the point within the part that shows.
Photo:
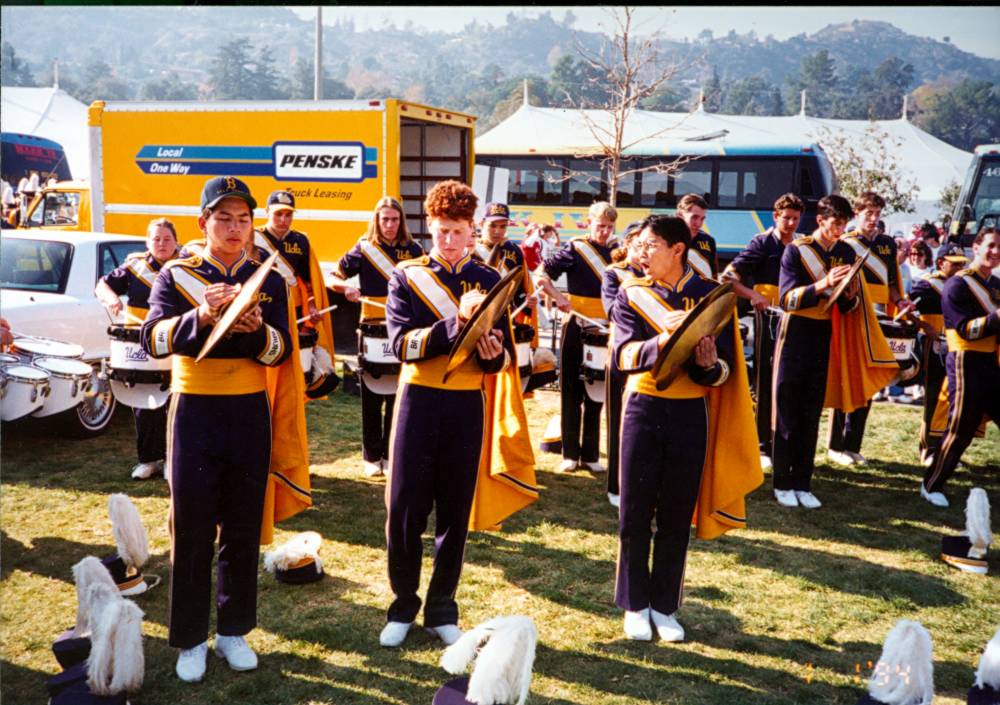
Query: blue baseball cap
(281,200)
(221,187)
(496,211)
(952,252)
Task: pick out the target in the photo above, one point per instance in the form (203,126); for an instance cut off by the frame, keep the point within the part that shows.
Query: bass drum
(136,379)
(902,339)
(378,366)
(595,359)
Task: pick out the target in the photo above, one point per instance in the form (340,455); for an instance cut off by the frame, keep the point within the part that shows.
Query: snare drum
(308,337)
(524,334)
(69,380)
(902,339)
(379,367)
(30,349)
(25,388)
(595,358)
(137,380)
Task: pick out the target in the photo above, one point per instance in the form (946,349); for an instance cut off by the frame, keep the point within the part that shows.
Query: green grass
(786,611)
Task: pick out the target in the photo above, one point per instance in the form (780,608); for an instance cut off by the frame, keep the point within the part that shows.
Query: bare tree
(628,69)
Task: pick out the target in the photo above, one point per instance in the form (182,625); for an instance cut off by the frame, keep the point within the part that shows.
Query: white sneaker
(594,467)
(394,633)
(667,626)
(901,399)
(191,663)
(373,469)
(144,471)
(567,465)
(839,458)
(807,500)
(765,462)
(615,500)
(236,651)
(786,498)
(637,625)
(936,498)
(857,458)
(448,633)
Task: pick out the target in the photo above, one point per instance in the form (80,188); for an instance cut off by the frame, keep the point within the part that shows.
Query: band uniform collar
(685,278)
(228,271)
(436,256)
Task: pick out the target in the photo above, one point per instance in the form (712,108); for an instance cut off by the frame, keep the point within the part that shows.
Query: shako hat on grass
(297,560)
(904,674)
(73,645)
(504,653)
(552,438)
(986,689)
(969,550)
(132,542)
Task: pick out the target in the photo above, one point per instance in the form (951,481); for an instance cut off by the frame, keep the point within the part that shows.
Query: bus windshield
(985,198)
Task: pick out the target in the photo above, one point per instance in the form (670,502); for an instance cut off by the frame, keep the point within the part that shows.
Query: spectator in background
(921,260)
(902,257)
(931,237)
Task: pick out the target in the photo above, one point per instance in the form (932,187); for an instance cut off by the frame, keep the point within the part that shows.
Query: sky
(972,29)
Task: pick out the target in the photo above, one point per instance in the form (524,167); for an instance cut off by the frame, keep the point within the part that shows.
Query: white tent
(929,162)
(51,113)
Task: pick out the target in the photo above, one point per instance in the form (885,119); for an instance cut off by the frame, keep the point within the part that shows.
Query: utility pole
(318,59)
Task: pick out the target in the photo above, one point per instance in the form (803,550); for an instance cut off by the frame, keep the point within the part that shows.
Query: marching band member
(583,261)
(926,295)
(135,278)
(624,266)
(672,439)
(972,326)
(219,436)
(702,255)
(759,264)
(810,268)
(881,272)
(386,242)
(438,433)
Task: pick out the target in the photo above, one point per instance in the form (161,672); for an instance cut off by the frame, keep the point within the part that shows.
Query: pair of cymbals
(846,281)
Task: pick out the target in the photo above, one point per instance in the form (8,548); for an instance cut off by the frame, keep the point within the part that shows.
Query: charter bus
(741,182)
(978,203)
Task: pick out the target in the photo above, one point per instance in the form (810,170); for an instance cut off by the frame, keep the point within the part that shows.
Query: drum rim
(16,345)
(6,371)
(62,374)
(134,332)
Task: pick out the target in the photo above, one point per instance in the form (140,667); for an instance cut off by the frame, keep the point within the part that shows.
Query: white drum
(308,339)
(378,365)
(29,349)
(24,389)
(69,380)
(595,358)
(136,379)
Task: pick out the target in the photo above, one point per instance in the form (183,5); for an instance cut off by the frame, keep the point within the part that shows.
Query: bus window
(986,198)
(626,187)
(586,184)
(655,190)
(534,181)
(753,184)
(694,177)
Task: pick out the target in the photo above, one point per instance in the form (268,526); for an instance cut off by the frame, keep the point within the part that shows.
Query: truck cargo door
(429,153)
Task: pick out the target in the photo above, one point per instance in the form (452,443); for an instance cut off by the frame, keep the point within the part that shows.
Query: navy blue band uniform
(881,272)
(664,441)
(438,431)
(293,262)
(583,262)
(614,276)
(219,442)
(972,327)
(801,358)
(759,265)
(926,295)
(373,264)
(134,278)
(703,255)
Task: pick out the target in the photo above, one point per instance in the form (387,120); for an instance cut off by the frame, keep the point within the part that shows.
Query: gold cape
(325,327)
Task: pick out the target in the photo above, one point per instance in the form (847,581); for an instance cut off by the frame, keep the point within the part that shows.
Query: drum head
(64,367)
(47,348)
(25,373)
(6,359)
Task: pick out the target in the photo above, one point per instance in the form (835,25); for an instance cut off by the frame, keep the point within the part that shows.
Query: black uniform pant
(662,457)
(376,424)
(615,389)
(220,449)
(802,353)
(934,376)
(573,395)
(973,390)
(151,433)
(434,465)
(765,333)
(847,429)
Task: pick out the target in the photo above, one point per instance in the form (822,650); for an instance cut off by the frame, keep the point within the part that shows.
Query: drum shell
(378,366)
(902,340)
(24,390)
(127,352)
(308,339)
(69,380)
(140,389)
(595,359)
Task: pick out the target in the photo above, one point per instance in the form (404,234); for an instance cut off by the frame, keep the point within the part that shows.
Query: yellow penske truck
(149,160)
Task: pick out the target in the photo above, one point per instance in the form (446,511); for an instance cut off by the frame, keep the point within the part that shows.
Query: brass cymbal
(709,317)
(243,302)
(485,317)
(846,281)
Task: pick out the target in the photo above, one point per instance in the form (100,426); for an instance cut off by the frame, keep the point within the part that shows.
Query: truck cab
(62,206)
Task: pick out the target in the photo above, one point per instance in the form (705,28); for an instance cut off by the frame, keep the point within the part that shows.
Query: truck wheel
(91,417)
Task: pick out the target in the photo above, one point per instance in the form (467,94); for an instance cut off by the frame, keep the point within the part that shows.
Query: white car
(47,284)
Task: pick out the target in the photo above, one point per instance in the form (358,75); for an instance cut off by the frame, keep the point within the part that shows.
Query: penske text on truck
(337,157)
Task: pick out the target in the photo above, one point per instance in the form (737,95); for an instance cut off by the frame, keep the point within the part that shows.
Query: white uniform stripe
(591,257)
(980,292)
(650,305)
(699,263)
(379,259)
(432,291)
(415,343)
(936,284)
(190,284)
(285,269)
(163,332)
(812,262)
(141,269)
(274,347)
(873,263)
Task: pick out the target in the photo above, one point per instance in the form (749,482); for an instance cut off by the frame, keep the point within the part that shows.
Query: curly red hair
(452,200)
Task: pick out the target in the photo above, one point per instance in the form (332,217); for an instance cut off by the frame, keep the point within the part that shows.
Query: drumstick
(902,313)
(372,302)
(589,320)
(519,309)
(324,310)
(132,317)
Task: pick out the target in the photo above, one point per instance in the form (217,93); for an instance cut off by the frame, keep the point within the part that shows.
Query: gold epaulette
(804,240)
(618,265)
(192,261)
(637,281)
(136,255)
(422,261)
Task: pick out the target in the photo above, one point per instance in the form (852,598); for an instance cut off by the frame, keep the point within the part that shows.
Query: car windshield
(34,265)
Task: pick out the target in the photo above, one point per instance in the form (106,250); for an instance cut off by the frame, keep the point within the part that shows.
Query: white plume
(88,572)
(506,654)
(904,675)
(116,661)
(304,545)
(977,519)
(989,664)
(130,534)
